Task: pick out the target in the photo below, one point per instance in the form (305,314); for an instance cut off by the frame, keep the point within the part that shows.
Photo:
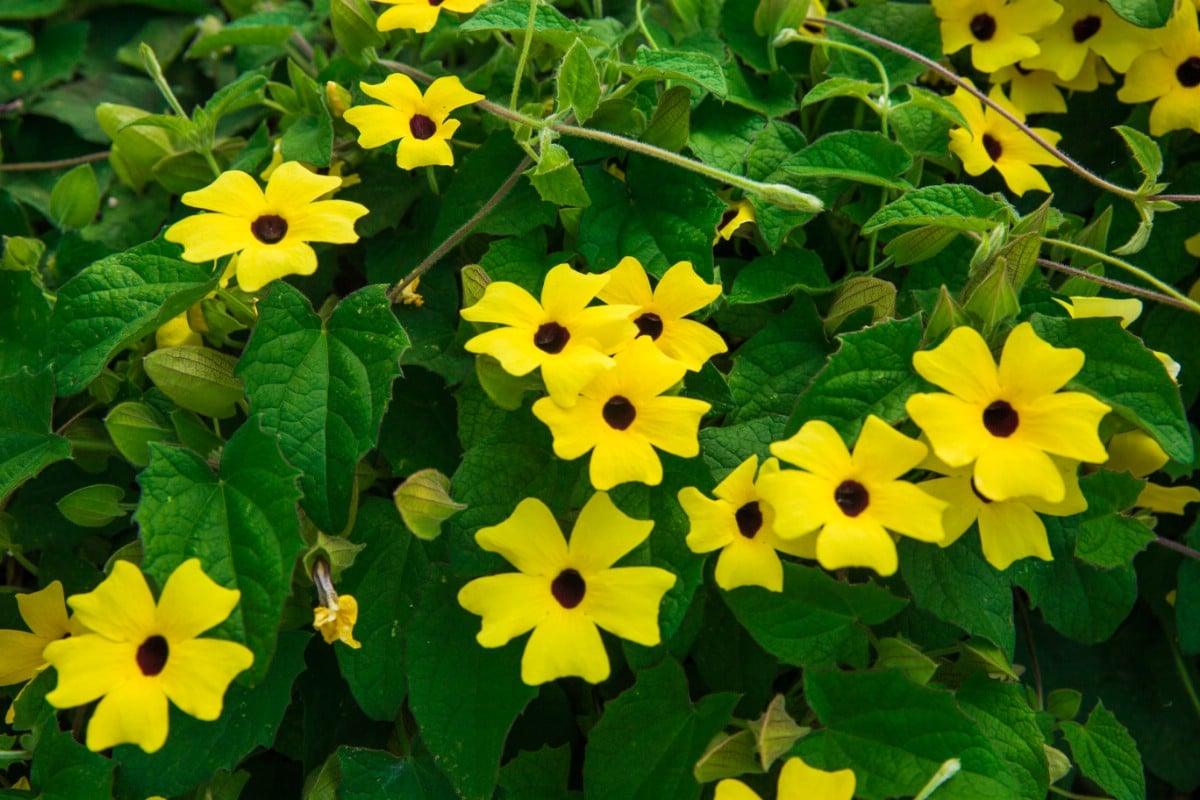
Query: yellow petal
(1177,110)
(1011,531)
(738,486)
(671,424)
(176,332)
(575,430)
(209,236)
(1010,469)
(711,523)
(799,781)
(603,534)
(730,789)
(121,608)
(529,539)
(962,505)
(962,365)
(564,645)
(260,264)
(1167,499)
(567,373)
(849,542)
(198,673)
(88,667)
(566,292)
(1151,75)
(326,221)
(512,347)
(802,502)
(643,371)
(749,562)
(1031,368)
(1127,309)
(624,459)
(690,343)
(419,17)
(293,185)
(882,453)
(397,90)
(233,192)
(1135,452)
(954,427)
(20,656)
(818,448)
(681,291)
(434,151)
(627,284)
(905,508)
(446,94)
(377,125)
(625,601)
(134,712)
(510,604)
(192,602)
(507,304)
(45,611)
(1065,424)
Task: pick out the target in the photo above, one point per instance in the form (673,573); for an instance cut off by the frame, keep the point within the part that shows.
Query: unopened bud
(424,503)
(789,198)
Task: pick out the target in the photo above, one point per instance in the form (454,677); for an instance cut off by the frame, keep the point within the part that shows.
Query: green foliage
(1107,754)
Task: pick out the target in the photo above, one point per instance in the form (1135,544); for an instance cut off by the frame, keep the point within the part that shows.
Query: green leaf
(481,175)
(1143,13)
(241,523)
(958,586)
(722,136)
(772,368)
(64,769)
(779,275)
(14,44)
(1145,151)
(24,323)
(512,16)
(354,26)
(198,379)
(669,127)
(29,9)
(856,156)
(1083,602)
(27,445)
(267,28)
(904,656)
(132,426)
(309,139)
(1107,538)
(910,25)
(1122,372)
(815,620)
(726,446)
(196,749)
(115,302)
(950,205)
(323,386)
(681,65)
(379,775)
(463,696)
(648,739)
(858,293)
(538,775)
(386,579)
(871,373)
(839,87)
(1107,754)
(93,506)
(915,246)
(578,83)
(75,198)
(896,735)
(1002,712)
(557,180)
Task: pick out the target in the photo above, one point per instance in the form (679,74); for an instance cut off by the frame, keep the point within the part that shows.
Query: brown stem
(1178,547)
(33,166)
(1149,294)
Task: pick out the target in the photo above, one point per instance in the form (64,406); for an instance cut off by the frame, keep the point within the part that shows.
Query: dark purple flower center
(422,127)
(649,324)
(978,493)
(1000,419)
(152,655)
(993,148)
(1085,28)
(550,337)
(619,413)
(1188,73)
(269,228)
(983,27)
(851,497)
(568,588)
(436,3)
(749,519)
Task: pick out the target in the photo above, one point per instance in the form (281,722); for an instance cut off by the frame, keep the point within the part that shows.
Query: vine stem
(1027,628)
(1070,163)
(788,35)
(516,90)
(1149,294)
(946,771)
(779,194)
(461,233)
(641,21)
(1164,287)
(1180,548)
(1184,678)
(33,166)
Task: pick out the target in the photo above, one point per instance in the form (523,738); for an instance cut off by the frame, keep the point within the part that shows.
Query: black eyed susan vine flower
(21,652)
(990,140)
(1009,419)
(1039,91)
(268,230)
(661,311)
(566,592)
(568,340)
(421,15)
(1128,310)
(1088,27)
(337,614)
(797,781)
(1170,76)
(741,524)
(139,656)
(1138,454)
(622,416)
(998,32)
(850,501)
(420,121)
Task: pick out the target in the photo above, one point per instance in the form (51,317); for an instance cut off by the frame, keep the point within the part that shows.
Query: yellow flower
(1128,310)
(660,313)
(1009,530)
(1192,245)
(420,122)
(45,612)
(1170,76)
(998,32)
(738,214)
(569,341)
(621,417)
(176,332)
(1039,91)
(565,592)
(851,500)
(741,524)
(1139,454)
(1088,26)
(1007,420)
(269,231)
(138,656)
(990,140)
(421,15)
(797,781)
(338,613)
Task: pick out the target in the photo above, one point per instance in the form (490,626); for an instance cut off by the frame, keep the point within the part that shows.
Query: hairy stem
(1178,547)
(33,166)
(641,21)
(1166,288)
(516,89)
(789,35)
(1149,294)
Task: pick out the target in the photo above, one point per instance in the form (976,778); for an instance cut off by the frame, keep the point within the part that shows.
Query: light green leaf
(681,65)
(309,139)
(1107,754)
(1145,151)
(27,445)
(132,426)
(29,9)
(578,83)
(839,87)
(512,16)
(93,506)
(75,198)
(779,275)
(856,156)
(14,44)
(1108,538)
(557,180)
(354,26)
(241,523)
(949,205)
(669,127)
(198,379)
(1002,712)
(323,386)
(266,28)
(858,293)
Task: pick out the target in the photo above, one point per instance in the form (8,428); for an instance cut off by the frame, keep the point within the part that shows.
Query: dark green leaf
(1107,538)
(698,68)
(949,205)
(578,83)
(513,16)
(1002,712)
(309,139)
(323,386)
(538,775)
(1107,754)
(775,365)
(27,445)
(29,9)
(913,26)
(378,775)
(779,275)
(24,322)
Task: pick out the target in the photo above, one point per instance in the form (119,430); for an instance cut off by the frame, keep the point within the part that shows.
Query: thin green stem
(212,162)
(945,772)
(25,563)
(150,62)
(641,21)
(1027,629)
(395,293)
(1184,677)
(1070,163)
(11,756)
(34,166)
(1074,796)
(516,89)
(1162,286)
(790,35)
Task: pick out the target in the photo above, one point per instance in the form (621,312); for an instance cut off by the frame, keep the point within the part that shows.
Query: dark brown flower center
(649,324)
(749,519)
(568,588)
(1188,73)
(550,337)
(619,413)
(727,217)
(422,127)
(436,3)
(993,148)
(978,493)
(1085,28)
(851,497)
(983,27)
(1000,419)
(152,655)
(269,228)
